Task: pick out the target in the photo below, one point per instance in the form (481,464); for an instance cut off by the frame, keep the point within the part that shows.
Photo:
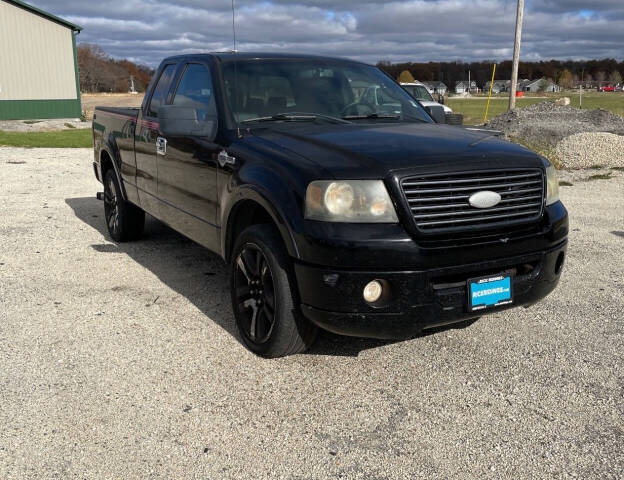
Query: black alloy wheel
(124,220)
(111,206)
(255,294)
(264,293)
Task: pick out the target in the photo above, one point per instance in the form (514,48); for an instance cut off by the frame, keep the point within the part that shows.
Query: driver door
(187,168)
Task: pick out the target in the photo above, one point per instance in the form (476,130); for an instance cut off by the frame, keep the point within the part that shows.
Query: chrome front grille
(439,202)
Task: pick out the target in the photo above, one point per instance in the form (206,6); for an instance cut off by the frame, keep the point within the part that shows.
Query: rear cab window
(159,96)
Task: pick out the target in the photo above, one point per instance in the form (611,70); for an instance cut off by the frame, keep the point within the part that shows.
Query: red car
(608,88)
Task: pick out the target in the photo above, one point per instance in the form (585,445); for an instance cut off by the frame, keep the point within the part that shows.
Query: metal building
(38,64)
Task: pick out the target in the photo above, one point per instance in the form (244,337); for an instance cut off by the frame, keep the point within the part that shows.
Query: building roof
(435,83)
(49,16)
(533,82)
(464,83)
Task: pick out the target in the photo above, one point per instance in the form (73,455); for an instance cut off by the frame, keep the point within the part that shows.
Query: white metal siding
(36,57)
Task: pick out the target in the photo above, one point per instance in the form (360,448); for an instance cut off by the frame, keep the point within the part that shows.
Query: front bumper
(332,298)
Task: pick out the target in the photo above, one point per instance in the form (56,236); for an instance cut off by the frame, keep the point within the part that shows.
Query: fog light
(372,291)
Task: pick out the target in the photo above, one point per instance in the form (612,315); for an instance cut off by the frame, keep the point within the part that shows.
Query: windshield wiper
(296,117)
(370,115)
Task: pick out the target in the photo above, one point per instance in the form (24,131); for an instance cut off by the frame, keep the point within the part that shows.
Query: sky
(146,31)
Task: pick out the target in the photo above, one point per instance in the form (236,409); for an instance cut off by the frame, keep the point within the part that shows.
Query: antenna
(235,102)
(234,25)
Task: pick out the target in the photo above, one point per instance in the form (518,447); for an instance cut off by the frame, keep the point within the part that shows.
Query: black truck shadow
(197,274)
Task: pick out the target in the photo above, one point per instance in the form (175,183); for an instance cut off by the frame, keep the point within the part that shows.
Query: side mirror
(183,121)
(437,113)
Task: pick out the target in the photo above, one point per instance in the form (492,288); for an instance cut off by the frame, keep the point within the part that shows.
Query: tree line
(99,72)
(566,73)
(102,73)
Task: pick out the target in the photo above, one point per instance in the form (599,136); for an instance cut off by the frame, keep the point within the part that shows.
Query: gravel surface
(42,125)
(121,361)
(546,124)
(584,150)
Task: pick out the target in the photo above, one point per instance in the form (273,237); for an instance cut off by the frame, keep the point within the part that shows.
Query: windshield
(419,92)
(323,90)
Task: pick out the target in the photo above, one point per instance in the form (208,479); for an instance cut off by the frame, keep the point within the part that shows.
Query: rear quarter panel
(113,137)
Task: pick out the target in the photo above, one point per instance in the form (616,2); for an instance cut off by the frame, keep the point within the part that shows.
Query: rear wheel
(267,314)
(124,220)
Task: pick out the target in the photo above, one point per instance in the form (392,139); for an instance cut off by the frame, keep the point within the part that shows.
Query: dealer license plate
(489,292)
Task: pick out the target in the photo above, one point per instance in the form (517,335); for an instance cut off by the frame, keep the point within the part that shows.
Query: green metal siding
(34,101)
(37,109)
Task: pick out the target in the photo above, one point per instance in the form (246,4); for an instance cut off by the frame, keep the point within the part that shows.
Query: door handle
(161,146)
(226,159)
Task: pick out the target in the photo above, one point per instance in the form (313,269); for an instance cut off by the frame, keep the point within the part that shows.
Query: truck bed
(125,111)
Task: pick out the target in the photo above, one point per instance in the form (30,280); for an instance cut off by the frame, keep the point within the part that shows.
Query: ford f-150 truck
(330,211)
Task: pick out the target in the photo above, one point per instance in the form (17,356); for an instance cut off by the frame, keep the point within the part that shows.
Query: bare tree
(600,77)
(101,73)
(615,78)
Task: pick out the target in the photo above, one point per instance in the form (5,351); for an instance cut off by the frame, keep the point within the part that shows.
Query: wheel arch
(251,207)
(110,161)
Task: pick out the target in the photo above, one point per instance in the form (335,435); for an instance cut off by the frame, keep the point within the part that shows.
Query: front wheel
(267,314)
(124,220)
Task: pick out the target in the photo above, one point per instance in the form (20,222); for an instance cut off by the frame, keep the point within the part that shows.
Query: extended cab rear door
(147,141)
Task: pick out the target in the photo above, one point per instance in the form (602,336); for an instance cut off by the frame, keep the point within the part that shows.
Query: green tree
(406,77)
(566,80)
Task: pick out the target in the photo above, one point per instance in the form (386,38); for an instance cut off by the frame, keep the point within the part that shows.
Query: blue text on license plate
(489,292)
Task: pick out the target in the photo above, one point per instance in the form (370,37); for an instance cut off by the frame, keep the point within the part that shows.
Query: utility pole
(581,88)
(516,55)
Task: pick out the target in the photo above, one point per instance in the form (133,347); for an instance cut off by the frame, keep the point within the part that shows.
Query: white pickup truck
(420,92)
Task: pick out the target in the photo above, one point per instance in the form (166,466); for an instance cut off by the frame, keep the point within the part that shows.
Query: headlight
(353,201)
(552,186)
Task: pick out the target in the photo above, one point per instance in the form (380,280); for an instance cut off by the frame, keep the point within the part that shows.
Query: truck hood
(375,150)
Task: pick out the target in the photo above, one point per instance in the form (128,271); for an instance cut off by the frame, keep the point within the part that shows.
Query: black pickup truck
(363,219)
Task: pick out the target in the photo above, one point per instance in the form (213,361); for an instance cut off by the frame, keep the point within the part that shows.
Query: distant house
(587,84)
(500,86)
(436,87)
(463,87)
(539,85)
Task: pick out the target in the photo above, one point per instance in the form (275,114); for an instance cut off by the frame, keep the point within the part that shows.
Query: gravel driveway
(121,361)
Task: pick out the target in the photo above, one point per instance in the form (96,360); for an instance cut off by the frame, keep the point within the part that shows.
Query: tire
(266,307)
(124,220)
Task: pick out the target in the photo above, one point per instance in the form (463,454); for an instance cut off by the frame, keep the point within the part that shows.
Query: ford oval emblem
(484,199)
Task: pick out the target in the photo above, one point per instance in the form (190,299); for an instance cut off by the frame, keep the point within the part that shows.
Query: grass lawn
(474,108)
(77,138)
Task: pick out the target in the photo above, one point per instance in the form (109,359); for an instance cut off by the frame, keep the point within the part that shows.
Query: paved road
(121,361)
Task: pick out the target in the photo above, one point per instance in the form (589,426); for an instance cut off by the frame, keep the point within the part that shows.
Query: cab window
(195,89)
(160,90)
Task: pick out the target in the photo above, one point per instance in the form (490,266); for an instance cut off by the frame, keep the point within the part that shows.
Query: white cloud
(369,30)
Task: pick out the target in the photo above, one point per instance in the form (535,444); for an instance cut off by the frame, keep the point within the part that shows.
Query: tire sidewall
(267,241)
(117,234)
